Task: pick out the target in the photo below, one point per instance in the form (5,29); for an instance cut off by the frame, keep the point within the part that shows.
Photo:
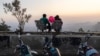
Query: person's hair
(44,15)
(57,16)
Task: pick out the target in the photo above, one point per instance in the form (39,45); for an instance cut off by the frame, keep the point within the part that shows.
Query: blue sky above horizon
(71,11)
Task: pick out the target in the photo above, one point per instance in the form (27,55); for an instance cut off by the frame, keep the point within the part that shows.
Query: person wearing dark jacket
(46,22)
(58,18)
(57,25)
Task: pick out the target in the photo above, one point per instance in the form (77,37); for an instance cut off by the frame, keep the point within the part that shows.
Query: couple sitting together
(52,22)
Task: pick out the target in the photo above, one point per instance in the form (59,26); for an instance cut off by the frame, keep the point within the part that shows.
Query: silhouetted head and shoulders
(44,16)
(58,18)
(44,19)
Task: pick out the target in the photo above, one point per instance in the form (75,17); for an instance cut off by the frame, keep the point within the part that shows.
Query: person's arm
(48,23)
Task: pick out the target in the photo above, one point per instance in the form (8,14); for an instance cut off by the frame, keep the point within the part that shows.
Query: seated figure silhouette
(46,23)
(57,25)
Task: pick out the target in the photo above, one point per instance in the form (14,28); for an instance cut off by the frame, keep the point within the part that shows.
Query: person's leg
(49,28)
(42,30)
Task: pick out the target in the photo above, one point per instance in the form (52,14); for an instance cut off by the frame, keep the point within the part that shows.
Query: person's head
(44,15)
(57,16)
(51,19)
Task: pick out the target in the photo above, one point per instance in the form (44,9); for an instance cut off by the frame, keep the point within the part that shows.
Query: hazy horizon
(70,11)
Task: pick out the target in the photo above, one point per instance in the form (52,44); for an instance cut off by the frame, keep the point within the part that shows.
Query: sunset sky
(71,11)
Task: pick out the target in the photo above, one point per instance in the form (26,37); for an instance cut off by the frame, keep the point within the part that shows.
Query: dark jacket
(57,18)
